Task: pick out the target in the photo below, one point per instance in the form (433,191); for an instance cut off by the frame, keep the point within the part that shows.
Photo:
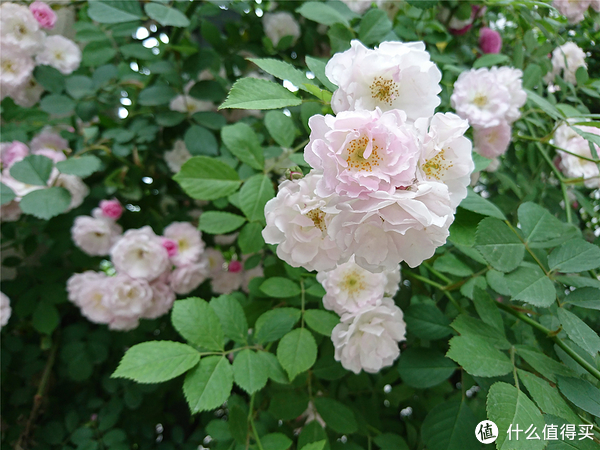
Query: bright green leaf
(232,317)
(322,322)
(82,166)
(254,195)
(274,324)
(197,322)
(241,140)
(579,331)
(297,352)
(499,245)
(220,222)
(209,384)
(166,16)
(46,203)
(575,255)
(280,287)
(529,284)
(33,169)
(253,93)
(249,372)
(478,357)
(205,178)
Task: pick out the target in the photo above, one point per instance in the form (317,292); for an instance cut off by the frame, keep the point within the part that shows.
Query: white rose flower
(350,288)
(94,300)
(61,53)
(566,59)
(162,300)
(571,165)
(95,236)
(358,6)
(18,27)
(215,261)
(28,94)
(5,310)
(10,212)
(298,220)
(140,254)
(178,156)
(512,80)
(394,76)
(446,153)
(389,228)
(393,279)
(189,105)
(573,9)
(280,24)
(78,281)
(189,242)
(48,139)
(17,67)
(128,297)
(184,279)
(492,142)
(76,187)
(124,323)
(480,98)
(369,340)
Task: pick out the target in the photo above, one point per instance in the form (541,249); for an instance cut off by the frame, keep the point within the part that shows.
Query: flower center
(182,244)
(7,66)
(58,56)
(353,282)
(318,218)
(356,155)
(384,90)
(437,166)
(480,100)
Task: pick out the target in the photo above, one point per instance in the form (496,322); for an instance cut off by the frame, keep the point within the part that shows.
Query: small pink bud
(94,417)
(171,246)
(235,266)
(14,152)
(111,208)
(43,14)
(490,41)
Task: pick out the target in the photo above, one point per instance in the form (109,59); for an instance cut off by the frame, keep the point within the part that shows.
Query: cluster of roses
(46,144)
(571,164)
(150,269)
(490,100)
(387,175)
(24,45)
(573,10)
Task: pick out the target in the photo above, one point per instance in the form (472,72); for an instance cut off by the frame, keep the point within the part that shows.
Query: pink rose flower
(13,152)
(171,246)
(490,41)
(235,266)
(111,208)
(43,14)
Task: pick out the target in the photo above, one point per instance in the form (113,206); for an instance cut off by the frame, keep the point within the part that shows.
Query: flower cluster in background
(573,10)
(24,45)
(573,164)
(387,175)
(148,269)
(5,310)
(47,144)
(566,59)
(490,100)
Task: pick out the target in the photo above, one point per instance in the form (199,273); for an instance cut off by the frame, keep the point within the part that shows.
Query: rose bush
(300,225)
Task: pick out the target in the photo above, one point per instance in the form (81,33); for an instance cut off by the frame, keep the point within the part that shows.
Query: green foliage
(253,93)
(166,16)
(206,178)
(197,322)
(46,203)
(34,169)
(297,352)
(450,425)
(209,384)
(82,166)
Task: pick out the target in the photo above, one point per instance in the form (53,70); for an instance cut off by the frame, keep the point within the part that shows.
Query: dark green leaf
(336,415)
(423,368)
(499,245)
(82,166)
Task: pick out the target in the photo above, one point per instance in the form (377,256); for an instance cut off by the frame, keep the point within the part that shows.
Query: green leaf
(57,104)
(450,426)
(423,368)
(474,328)
(280,287)
(45,317)
(499,245)
(209,384)
(82,166)
(318,445)
(579,331)
(492,59)
(339,37)
(575,255)
(50,78)
(79,86)
(274,324)
(276,441)
(200,141)
(156,95)
(274,369)
(487,309)
(205,178)
(497,281)
(427,322)
(581,393)
(390,441)
(374,26)
(166,16)
(249,372)
(320,321)
(115,11)
(449,263)
(46,203)
(336,415)
(253,93)
(547,397)
(137,51)
(6,194)
(250,239)
(317,67)
(586,297)
(232,317)
(281,128)
(545,365)
(283,71)
(241,140)
(478,357)
(297,352)
(506,405)
(237,422)
(541,229)
(98,53)
(220,222)
(33,169)
(197,322)
(155,362)
(544,105)
(254,195)
(474,202)
(322,13)
(529,284)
